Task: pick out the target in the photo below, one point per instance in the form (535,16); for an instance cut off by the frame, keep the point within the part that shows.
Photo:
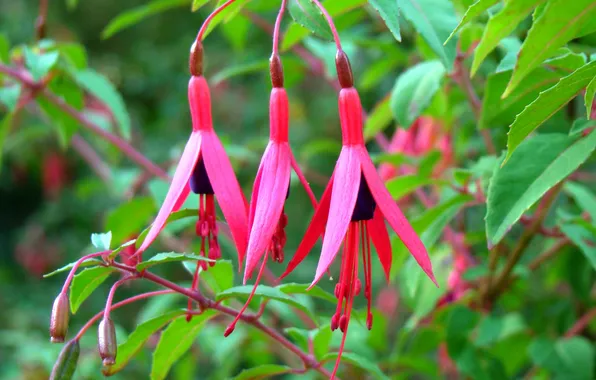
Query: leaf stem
(331,24)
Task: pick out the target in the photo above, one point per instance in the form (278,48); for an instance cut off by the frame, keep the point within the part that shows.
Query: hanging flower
(353,211)
(267,219)
(205,169)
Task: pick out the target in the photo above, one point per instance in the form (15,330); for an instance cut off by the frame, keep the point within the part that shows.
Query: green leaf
(434,20)
(265,292)
(547,104)
(169,257)
(219,277)
(365,364)
(306,13)
(473,11)
(401,186)
(296,33)
(571,358)
(71,4)
(315,291)
(414,90)
(134,16)
(240,69)
(321,338)
(378,119)
(498,111)
(560,22)
(129,217)
(389,11)
(74,54)
(102,241)
(225,15)
(536,166)
(84,283)
(583,238)
(39,65)
(580,125)
(583,197)
(197,4)
(263,371)
(175,341)
(493,329)
(68,267)
(500,26)
(4,49)
(589,97)
(9,96)
(100,87)
(137,339)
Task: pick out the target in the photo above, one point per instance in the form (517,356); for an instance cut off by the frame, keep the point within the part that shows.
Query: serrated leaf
(589,97)
(263,371)
(306,13)
(68,267)
(135,15)
(500,26)
(39,64)
(356,360)
(583,197)
(547,104)
(100,87)
(434,20)
(175,341)
(536,166)
(102,241)
(378,119)
(137,339)
(315,291)
(84,283)
(169,257)
(389,11)
(473,11)
(560,22)
(414,90)
(264,292)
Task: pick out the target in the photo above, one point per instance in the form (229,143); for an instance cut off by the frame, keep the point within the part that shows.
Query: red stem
(277,26)
(211,16)
(109,307)
(330,22)
(76,266)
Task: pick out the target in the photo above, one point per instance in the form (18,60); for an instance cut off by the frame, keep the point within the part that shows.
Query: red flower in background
(205,169)
(54,174)
(423,136)
(352,210)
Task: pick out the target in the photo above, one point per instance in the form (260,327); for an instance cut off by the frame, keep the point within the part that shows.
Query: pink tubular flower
(352,210)
(267,219)
(205,169)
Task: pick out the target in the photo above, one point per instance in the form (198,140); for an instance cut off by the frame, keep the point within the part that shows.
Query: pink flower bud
(59,318)
(106,342)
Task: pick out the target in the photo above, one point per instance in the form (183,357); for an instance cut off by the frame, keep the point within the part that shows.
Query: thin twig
(90,156)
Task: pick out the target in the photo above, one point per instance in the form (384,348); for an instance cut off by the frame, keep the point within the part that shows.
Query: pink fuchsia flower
(205,169)
(267,219)
(424,135)
(353,211)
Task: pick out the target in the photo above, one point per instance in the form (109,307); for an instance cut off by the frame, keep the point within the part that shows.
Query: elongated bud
(65,366)
(59,318)
(276,71)
(106,342)
(195,64)
(344,70)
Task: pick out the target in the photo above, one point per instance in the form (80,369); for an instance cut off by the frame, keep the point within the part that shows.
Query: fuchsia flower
(271,188)
(205,169)
(352,210)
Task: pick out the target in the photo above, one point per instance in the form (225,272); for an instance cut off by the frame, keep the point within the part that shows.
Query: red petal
(275,180)
(255,193)
(178,189)
(380,238)
(303,181)
(314,230)
(227,190)
(343,200)
(394,216)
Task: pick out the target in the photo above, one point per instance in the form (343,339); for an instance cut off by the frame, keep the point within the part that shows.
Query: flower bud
(59,318)
(344,70)
(66,364)
(106,341)
(276,71)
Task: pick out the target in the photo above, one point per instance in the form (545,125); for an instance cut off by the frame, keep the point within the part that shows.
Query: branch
(37,88)
(90,156)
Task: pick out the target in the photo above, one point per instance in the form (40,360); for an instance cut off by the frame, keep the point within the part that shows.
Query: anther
(276,71)
(195,63)
(334,322)
(344,70)
(343,322)
(369,321)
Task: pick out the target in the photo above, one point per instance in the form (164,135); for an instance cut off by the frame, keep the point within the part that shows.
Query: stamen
(232,326)
(367,275)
